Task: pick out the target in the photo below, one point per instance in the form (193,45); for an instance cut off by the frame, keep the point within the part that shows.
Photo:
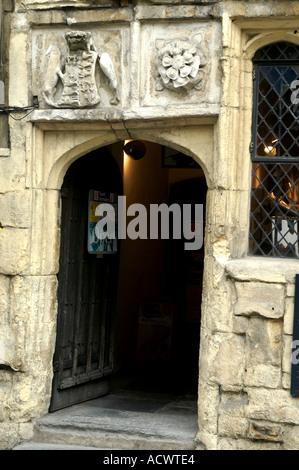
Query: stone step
(44,446)
(121,421)
(113,430)
(92,436)
(61,441)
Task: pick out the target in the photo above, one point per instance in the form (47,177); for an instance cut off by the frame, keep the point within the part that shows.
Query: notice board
(99,240)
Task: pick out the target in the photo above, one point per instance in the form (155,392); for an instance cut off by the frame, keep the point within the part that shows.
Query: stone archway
(152,172)
(189,329)
(56,148)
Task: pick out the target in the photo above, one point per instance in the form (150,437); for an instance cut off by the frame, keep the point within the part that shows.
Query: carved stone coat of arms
(76,73)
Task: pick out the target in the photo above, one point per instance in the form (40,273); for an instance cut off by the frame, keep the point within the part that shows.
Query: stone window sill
(281,270)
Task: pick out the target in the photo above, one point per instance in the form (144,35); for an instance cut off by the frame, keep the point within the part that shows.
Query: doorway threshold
(131,417)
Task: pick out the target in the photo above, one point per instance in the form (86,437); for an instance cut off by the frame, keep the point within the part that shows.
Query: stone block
(272,405)
(232,420)
(286,380)
(227,360)
(14,249)
(45,237)
(240,324)
(8,435)
(233,404)
(9,354)
(288,321)
(267,270)
(290,290)
(231,81)
(231,426)
(225,443)
(6,381)
(208,399)
(291,437)
(55,4)
(257,298)
(26,431)
(263,353)
(263,375)
(4,298)
(7,184)
(287,353)
(15,209)
(220,303)
(33,315)
(265,431)
(18,88)
(207,440)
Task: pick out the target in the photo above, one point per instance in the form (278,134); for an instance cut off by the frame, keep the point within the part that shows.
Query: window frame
(276,162)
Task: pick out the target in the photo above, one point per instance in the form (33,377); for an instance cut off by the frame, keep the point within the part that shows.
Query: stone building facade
(177,74)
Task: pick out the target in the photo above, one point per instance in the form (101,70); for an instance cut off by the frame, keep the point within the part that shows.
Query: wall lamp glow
(135,149)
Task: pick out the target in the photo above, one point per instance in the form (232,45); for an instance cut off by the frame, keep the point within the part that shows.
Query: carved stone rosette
(180,64)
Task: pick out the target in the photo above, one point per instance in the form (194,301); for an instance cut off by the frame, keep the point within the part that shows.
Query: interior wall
(142,261)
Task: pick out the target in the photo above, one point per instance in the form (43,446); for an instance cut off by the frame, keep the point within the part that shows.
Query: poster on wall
(102,227)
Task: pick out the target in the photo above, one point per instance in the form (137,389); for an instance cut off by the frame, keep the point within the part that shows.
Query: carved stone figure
(77,73)
(179,64)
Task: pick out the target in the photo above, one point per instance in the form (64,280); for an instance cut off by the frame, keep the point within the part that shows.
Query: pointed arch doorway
(90,347)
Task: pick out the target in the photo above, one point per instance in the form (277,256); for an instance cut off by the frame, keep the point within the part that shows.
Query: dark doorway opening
(140,308)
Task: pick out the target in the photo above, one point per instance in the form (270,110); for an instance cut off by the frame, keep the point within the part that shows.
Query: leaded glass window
(275,152)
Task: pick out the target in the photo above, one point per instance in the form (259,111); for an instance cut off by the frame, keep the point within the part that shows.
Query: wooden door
(87,290)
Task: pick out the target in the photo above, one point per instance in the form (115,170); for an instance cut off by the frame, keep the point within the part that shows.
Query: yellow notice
(92,216)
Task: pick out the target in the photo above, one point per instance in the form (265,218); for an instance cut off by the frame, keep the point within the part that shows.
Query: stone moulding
(180,64)
(182,2)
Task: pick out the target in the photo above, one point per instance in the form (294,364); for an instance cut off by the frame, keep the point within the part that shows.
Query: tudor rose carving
(76,73)
(179,64)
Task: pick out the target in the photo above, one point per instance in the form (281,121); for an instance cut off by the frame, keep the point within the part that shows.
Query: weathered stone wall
(245,353)
(246,363)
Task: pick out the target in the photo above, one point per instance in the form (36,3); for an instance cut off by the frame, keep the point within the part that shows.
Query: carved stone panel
(180,64)
(78,69)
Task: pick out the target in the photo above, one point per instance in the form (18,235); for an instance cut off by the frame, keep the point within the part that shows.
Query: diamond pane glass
(274,217)
(274,210)
(277,116)
(278,51)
